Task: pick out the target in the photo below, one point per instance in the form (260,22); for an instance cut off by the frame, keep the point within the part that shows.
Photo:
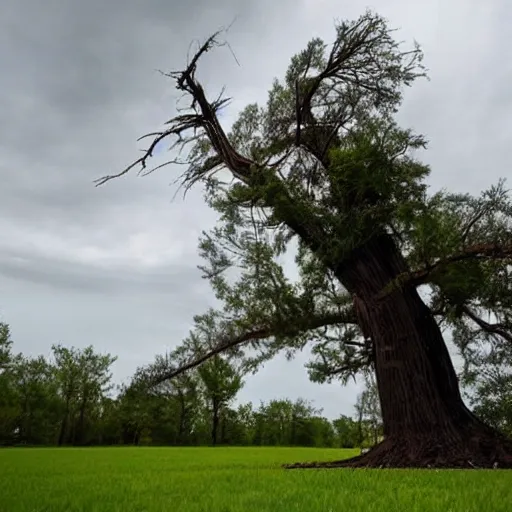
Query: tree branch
(498,329)
(291,329)
(474,252)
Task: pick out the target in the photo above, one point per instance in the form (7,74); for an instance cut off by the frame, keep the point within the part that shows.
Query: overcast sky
(116,266)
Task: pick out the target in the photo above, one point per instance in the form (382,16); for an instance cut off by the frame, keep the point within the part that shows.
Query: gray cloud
(116,266)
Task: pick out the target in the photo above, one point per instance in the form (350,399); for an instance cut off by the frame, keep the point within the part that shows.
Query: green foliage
(9,404)
(348,432)
(221,380)
(83,378)
(372,183)
(318,171)
(368,413)
(487,375)
(39,404)
(5,346)
(65,400)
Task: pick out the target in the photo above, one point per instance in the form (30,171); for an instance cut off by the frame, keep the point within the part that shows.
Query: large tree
(324,167)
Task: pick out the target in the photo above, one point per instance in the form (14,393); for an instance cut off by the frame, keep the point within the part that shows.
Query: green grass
(231,479)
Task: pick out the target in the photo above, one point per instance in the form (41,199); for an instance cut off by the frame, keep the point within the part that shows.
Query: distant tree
(287,423)
(177,402)
(5,346)
(9,405)
(108,424)
(135,415)
(347,432)
(246,424)
(67,374)
(221,382)
(368,412)
(492,399)
(83,377)
(39,403)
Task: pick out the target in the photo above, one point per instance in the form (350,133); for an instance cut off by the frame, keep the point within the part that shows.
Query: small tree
(9,405)
(347,432)
(369,418)
(221,383)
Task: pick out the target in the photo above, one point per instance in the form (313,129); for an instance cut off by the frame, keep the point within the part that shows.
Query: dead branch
(205,119)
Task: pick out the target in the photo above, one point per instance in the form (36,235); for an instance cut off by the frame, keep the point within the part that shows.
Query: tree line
(70,399)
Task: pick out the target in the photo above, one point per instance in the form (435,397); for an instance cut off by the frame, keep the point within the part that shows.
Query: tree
(5,346)
(221,384)
(178,400)
(347,432)
(492,399)
(83,377)
(487,375)
(38,401)
(9,408)
(325,166)
(369,417)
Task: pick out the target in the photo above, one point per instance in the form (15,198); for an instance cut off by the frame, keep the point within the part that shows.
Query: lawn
(231,479)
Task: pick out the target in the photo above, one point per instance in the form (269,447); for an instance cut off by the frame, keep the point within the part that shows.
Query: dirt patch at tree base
(487,452)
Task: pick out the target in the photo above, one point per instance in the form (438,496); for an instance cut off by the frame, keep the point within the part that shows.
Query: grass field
(231,479)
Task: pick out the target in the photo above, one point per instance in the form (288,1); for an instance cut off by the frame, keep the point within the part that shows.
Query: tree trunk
(215,422)
(64,427)
(183,413)
(426,423)
(81,424)
(360,427)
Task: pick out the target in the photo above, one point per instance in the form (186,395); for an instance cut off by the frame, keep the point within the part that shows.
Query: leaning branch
(265,332)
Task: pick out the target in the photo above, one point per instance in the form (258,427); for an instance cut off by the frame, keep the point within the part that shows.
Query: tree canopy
(456,244)
(324,173)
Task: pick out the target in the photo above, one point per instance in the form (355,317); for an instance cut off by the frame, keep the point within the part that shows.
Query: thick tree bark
(426,422)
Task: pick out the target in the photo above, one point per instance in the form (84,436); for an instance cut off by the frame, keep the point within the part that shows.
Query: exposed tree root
(488,450)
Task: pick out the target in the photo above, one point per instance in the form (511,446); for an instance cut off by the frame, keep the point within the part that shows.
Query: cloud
(116,266)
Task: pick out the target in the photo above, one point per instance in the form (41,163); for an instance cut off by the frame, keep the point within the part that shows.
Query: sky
(115,266)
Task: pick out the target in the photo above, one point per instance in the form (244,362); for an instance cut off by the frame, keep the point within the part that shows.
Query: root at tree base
(486,451)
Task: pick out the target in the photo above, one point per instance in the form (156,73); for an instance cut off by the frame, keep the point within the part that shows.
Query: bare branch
(356,60)
(478,215)
(205,118)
